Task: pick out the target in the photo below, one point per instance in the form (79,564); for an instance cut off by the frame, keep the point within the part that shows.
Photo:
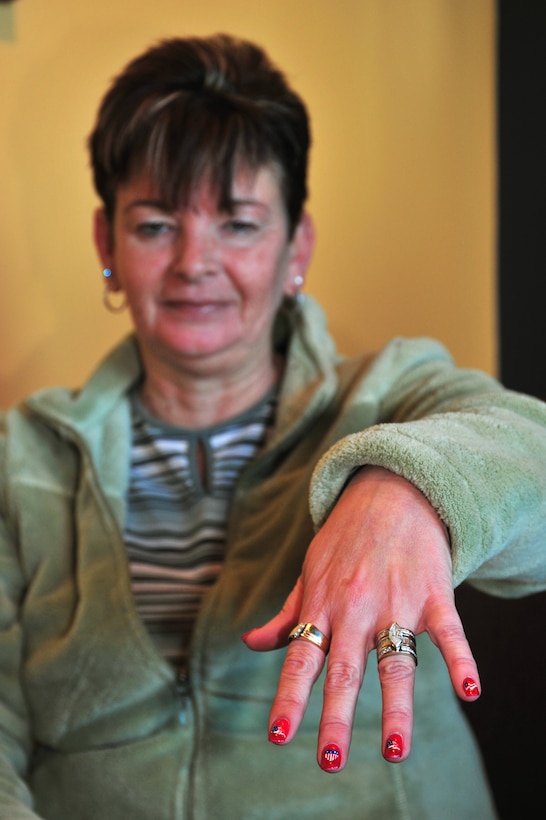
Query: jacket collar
(309,379)
(87,407)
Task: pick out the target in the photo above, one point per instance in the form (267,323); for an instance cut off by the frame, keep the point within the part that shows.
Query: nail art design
(279,731)
(394,747)
(470,688)
(330,759)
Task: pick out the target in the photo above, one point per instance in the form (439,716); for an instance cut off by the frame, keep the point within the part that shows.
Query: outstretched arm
(382,556)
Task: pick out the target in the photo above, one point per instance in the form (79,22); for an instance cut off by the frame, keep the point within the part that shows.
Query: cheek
(137,280)
(265,277)
(137,270)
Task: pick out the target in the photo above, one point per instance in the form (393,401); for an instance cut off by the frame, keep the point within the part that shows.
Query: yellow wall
(402,177)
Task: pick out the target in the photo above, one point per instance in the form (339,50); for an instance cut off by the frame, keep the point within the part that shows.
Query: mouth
(192,308)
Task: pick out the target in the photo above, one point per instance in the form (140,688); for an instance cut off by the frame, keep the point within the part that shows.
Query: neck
(197,402)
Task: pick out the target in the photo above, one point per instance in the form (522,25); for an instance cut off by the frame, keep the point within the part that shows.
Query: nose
(195,253)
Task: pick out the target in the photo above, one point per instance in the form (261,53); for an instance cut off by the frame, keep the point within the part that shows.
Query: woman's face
(203,285)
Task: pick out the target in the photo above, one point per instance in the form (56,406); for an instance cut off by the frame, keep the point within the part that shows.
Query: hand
(382,556)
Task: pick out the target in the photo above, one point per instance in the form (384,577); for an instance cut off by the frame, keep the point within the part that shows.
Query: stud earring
(298,282)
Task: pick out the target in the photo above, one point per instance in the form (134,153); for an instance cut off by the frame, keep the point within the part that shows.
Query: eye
(152,228)
(240,227)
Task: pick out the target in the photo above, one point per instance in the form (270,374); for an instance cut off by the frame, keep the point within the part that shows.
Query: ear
(301,251)
(104,243)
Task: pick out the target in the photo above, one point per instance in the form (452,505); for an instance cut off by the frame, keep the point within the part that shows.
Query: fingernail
(394,747)
(246,634)
(330,759)
(279,731)
(470,688)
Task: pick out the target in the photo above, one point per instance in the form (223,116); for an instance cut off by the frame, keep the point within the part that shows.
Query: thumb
(274,633)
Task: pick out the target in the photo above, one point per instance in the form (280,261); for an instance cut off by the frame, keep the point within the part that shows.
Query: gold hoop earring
(109,305)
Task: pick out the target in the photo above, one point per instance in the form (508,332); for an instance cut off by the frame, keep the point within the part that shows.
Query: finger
(397,677)
(446,631)
(302,666)
(341,688)
(274,633)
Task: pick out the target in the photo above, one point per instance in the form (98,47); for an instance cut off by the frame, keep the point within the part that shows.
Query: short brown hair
(192,107)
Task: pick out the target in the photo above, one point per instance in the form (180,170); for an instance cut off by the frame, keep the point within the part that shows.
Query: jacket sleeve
(15,737)
(475,450)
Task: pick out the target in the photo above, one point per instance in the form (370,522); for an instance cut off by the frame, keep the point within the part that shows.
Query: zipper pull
(182,691)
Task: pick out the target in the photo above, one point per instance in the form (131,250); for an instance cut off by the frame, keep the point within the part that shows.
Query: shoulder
(42,434)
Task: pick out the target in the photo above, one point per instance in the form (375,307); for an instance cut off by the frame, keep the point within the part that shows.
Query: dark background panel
(510,718)
(521,84)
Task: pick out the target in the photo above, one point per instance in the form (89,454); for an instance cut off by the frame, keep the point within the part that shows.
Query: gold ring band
(309,632)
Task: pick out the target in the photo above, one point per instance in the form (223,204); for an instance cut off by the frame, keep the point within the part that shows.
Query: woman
(151,518)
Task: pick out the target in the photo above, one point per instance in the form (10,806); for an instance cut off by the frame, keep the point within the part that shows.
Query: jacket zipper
(182,693)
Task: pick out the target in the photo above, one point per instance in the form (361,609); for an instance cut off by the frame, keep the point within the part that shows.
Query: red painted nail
(330,759)
(279,731)
(394,747)
(470,688)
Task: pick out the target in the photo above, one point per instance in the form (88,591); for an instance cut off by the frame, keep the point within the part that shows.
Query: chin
(195,345)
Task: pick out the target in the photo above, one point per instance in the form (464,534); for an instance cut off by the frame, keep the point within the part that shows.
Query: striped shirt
(181,484)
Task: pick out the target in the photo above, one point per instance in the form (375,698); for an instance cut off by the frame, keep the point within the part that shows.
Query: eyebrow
(243,201)
(252,203)
(147,203)
(160,205)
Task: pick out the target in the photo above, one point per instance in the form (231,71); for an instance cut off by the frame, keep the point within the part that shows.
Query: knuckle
(449,633)
(353,592)
(396,670)
(335,727)
(462,662)
(300,664)
(450,637)
(292,702)
(342,676)
(398,715)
